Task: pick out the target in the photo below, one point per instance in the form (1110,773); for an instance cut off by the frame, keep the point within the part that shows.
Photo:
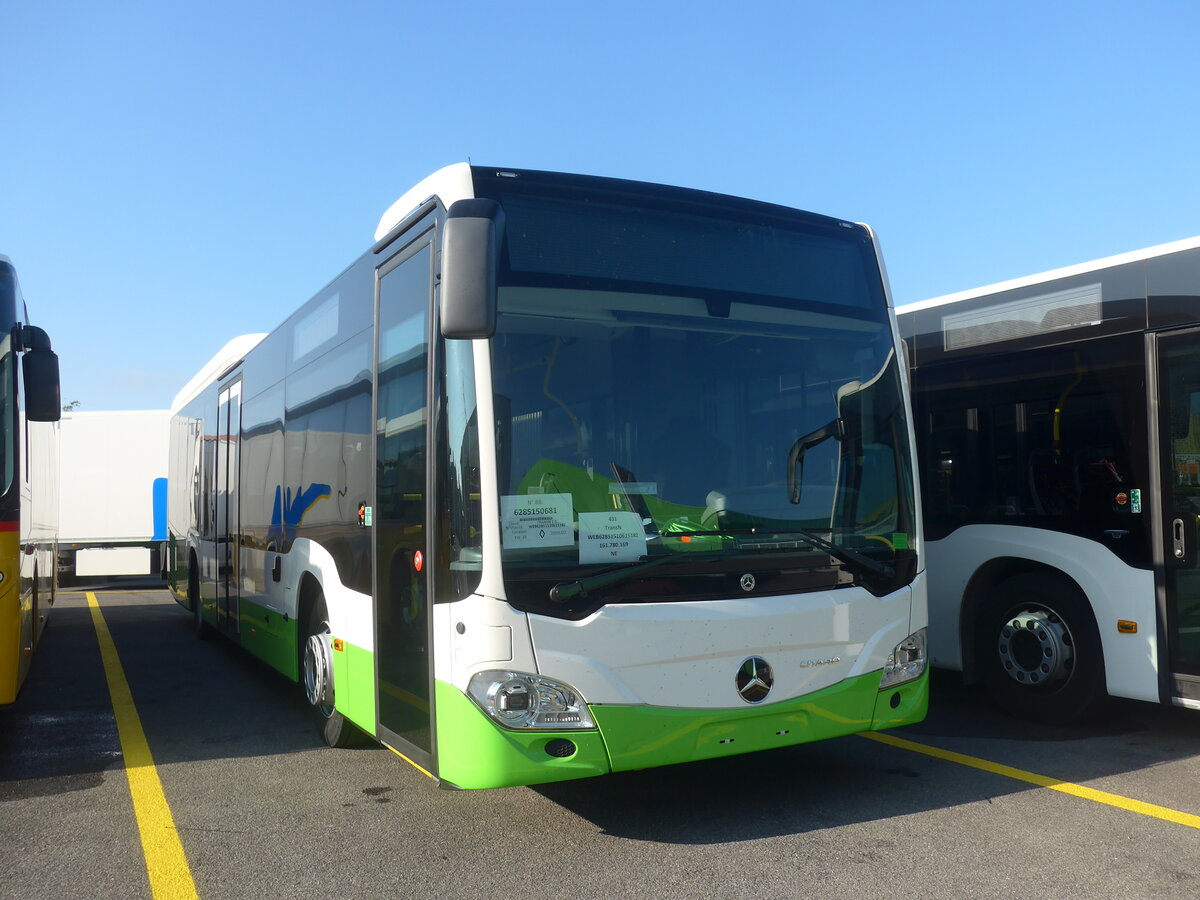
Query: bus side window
(1045,434)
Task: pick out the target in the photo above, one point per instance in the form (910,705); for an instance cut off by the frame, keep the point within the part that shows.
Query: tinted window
(1052,438)
(609,244)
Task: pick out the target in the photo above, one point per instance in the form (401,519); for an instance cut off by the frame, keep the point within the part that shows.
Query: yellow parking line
(166,864)
(410,762)
(1054,784)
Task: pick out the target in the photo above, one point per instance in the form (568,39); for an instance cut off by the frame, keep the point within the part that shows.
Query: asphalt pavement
(262,809)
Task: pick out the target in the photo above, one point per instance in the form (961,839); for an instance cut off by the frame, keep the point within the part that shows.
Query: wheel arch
(309,571)
(315,665)
(308,592)
(979,592)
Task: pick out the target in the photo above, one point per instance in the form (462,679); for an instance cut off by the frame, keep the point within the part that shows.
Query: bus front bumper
(474,752)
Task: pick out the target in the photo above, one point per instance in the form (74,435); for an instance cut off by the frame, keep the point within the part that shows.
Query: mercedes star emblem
(754,679)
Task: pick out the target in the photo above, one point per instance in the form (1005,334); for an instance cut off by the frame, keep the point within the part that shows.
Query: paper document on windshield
(536,520)
(611,537)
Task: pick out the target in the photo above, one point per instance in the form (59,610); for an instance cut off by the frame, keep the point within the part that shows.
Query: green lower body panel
(266,634)
(903,705)
(354,685)
(640,737)
(474,752)
(273,640)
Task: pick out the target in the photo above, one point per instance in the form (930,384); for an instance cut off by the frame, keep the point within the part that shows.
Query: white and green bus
(565,476)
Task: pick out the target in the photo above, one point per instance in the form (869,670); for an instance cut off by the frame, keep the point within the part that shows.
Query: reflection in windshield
(633,425)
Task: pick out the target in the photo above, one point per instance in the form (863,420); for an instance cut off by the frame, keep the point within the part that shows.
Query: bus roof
(454,182)
(458,182)
(1065,272)
(228,355)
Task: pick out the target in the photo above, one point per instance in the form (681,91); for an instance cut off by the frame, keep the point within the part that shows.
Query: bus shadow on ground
(851,780)
(196,699)
(208,700)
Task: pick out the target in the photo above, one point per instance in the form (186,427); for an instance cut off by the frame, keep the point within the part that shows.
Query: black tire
(203,630)
(316,679)
(1039,650)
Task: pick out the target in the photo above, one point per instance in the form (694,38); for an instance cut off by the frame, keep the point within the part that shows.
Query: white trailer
(113,504)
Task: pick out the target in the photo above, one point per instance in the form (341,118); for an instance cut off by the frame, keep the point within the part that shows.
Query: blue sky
(177,174)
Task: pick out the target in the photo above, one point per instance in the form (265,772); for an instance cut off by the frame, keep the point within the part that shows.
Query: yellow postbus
(29,411)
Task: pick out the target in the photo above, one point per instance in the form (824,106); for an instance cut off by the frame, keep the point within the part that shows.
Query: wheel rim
(318,672)
(1036,648)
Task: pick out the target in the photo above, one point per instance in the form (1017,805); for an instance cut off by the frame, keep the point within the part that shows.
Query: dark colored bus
(1058,423)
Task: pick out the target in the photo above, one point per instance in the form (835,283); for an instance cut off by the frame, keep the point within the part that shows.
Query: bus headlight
(520,700)
(907,662)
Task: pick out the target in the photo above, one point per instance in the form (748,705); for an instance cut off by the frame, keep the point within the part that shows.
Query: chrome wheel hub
(318,671)
(1036,649)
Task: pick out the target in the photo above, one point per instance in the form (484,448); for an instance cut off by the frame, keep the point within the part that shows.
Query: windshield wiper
(567,591)
(852,558)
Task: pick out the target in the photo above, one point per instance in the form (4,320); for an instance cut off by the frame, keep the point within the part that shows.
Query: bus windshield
(695,390)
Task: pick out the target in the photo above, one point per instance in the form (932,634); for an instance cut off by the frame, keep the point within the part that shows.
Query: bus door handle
(1177,538)
(277,569)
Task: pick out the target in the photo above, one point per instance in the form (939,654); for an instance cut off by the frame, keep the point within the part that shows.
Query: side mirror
(43,399)
(39,371)
(470,260)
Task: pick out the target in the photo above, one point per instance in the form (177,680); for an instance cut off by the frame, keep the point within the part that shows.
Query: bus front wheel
(317,675)
(1040,651)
